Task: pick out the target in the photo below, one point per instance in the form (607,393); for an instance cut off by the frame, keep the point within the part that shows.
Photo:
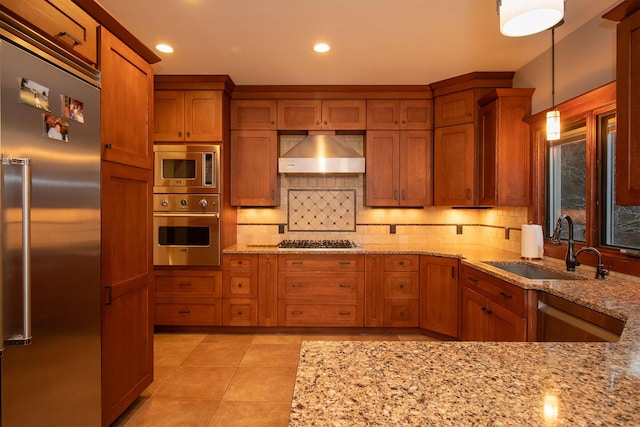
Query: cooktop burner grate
(318,244)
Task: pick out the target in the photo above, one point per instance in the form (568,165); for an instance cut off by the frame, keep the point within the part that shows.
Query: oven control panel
(186,203)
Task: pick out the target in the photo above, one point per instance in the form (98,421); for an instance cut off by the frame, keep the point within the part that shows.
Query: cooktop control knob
(203,203)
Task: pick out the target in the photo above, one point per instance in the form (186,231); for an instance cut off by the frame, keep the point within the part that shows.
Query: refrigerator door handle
(25,337)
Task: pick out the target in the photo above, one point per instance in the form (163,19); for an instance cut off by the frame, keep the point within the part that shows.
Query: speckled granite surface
(399,383)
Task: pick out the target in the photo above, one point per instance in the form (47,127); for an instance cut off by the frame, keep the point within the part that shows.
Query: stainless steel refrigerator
(50,236)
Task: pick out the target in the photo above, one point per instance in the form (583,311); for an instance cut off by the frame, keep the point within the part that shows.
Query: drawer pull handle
(345,285)
(76,41)
(184,312)
(239,285)
(239,313)
(483,308)
(297,313)
(184,284)
(402,286)
(506,295)
(345,313)
(453,272)
(297,285)
(489,312)
(473,280)
(401,263)
(345,262)
(297,262)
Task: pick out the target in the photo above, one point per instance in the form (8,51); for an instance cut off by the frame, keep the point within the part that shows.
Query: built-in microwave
(186,168)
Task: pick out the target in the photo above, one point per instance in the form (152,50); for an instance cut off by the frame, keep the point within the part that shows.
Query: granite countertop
(410,383)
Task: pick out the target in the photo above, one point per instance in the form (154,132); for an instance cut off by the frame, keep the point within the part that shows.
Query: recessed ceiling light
(164,48)
(321,47)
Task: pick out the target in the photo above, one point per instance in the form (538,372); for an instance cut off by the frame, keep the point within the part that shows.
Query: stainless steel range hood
(321,154)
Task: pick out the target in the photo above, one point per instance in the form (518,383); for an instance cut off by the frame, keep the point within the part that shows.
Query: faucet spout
(600,272)
(570,258)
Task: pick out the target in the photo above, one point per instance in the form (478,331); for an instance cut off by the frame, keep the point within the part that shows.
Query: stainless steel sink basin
(532,271)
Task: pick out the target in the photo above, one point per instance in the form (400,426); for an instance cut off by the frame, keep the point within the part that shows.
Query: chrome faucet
(570,258)
(601,272)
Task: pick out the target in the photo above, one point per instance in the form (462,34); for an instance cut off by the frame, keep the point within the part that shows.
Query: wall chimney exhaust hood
(321,153)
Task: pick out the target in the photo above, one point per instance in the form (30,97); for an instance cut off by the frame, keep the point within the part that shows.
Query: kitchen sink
(532,271)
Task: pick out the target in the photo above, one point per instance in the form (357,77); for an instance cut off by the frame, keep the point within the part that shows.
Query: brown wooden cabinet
(374,290)
(188,116)
(491,309)
(127,104)
(254,168)
(315,114)
(188,297)
(321,290)
(398,168)
(504,151)
(60,21)
(401,290)
(127,264)
(267,290)
(254,114)
(405,114)
(240,290)
(628,111)
(439,294)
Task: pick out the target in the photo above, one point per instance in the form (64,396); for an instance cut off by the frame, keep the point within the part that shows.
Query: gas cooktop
(320,244)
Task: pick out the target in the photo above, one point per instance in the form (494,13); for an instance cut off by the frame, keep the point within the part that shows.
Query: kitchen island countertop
(372,383)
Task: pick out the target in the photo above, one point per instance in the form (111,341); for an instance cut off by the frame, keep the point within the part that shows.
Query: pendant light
(553,116)
(525,17)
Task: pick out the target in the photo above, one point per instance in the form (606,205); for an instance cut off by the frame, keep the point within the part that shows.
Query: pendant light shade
(525,17)
(553,125)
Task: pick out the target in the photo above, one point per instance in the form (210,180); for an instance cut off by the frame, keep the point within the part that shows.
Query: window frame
(587,107)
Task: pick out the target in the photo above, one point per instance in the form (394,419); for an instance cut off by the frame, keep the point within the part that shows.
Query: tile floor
(228,380)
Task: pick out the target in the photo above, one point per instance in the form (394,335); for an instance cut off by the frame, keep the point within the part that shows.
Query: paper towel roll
(531,243)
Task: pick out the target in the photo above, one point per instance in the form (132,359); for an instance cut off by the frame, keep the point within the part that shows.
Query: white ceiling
(374,42)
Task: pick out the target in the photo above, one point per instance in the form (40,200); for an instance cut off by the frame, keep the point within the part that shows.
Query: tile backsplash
(332,207)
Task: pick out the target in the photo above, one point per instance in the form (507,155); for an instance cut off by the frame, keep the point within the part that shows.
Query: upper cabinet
(188,115)
(628,103)
(504,154)
(60,21)
(254,114)
(456,135)
(406,114)
(329,114)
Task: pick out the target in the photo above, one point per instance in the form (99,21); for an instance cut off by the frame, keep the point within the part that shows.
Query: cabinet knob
(107,146)
(506,295)
(180,134)
(188,134)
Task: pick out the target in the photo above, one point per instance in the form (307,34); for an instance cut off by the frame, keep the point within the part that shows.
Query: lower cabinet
(401,290)
(491,309)
(188,297)
(240,290)
(321,290)
(439,294)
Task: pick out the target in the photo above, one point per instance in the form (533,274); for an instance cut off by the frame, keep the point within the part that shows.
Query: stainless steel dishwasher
(562,320)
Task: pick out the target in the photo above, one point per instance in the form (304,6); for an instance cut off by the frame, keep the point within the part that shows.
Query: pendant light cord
(553,66)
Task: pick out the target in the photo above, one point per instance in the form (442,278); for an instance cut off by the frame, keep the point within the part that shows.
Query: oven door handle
(186,214)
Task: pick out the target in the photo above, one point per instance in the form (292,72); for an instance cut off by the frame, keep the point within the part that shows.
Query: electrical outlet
(281,228)
(459,229)
(392,229)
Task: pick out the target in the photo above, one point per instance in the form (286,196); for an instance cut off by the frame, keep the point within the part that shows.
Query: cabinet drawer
(401,285)
(455,108)
(60,21)
(507,295)
(188,313)
(401,262)
(401,313)
(321,262)
(240,284)
(240,262)
(176,284)
(328,285)
(311,313)
(240,312)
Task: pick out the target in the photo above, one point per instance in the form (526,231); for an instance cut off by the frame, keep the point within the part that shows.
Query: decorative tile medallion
(322,210)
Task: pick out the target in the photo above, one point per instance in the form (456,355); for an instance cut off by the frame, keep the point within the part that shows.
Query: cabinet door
(61,21)
(126,104)
(299,114)
(628,105)
(487,147)
(455,108)
(415,171)
(203,115)
(416,114)
(168,115)
(383,114)
(268,290)
(439,295)
(254,173)
(127,329)
(473,316)
(254,114)
(453,165)
(504,325)
(374,290)
(344,114)
(382,175)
